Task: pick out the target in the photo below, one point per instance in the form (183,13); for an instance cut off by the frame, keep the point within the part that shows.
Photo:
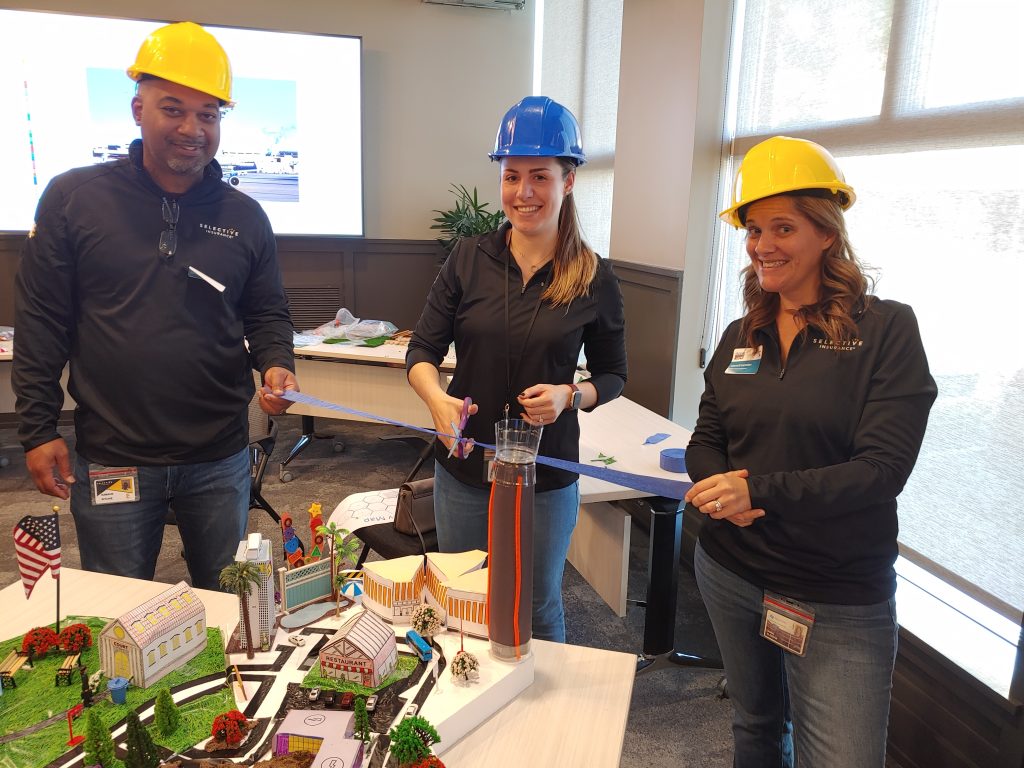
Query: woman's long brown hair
(844,284)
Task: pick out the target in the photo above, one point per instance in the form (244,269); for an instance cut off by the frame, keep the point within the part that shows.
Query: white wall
(671,92)
(436,81)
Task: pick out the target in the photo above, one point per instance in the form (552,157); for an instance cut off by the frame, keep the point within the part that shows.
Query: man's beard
(187,167)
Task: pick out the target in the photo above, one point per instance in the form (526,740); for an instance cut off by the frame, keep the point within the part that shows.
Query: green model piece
(98,746)
(362,720)
(241,578)
(142,753)
(166,714)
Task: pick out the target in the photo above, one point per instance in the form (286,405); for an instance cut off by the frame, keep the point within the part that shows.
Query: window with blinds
(922,103)
(578,50)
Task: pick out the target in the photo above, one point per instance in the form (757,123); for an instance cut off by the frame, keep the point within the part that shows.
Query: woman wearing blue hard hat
(520,303)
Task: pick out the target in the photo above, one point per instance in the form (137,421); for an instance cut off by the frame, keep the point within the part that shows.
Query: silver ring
(718,506)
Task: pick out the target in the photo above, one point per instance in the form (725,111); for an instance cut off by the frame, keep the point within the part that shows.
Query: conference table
(574,713)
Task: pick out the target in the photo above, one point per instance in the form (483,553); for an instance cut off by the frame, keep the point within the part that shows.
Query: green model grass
(37,699)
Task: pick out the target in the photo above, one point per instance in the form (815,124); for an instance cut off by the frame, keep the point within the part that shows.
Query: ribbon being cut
(656,486)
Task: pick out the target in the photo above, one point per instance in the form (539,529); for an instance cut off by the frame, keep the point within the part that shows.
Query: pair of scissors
(457,444)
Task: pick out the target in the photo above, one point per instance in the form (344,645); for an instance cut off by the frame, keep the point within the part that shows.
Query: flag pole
(56,509)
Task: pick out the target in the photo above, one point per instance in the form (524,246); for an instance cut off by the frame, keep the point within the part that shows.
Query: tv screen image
(293,141)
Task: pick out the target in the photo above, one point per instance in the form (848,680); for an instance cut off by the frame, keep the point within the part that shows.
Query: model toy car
(371,703)
(297,640)
(347,700)
(411,710)
(314,694)
(329,698)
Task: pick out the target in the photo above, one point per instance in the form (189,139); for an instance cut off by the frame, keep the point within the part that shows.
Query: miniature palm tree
(241,578)
(339,551)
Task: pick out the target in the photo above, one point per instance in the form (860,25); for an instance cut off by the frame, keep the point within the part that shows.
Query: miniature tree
(142,753)
(426,621)
(74,637)
(429,762)
(98,746)
(411,740)
(362,720)
(241,578)
(465,666)
(338,550)
(229,726)
(166,713)
(38,641)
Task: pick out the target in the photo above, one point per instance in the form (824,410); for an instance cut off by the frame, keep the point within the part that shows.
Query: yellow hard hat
(783,164)
(186,54)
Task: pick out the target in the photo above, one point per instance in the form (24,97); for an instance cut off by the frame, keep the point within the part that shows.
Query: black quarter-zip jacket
(158,364)
(466,304)
(829,441)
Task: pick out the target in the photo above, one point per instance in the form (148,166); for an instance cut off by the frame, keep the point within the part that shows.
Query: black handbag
(414,513)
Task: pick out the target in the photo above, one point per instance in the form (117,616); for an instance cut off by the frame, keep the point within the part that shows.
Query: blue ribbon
(657,486)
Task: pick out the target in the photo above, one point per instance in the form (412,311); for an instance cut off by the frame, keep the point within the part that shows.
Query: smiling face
(786,250)
(532,190)
(180,132)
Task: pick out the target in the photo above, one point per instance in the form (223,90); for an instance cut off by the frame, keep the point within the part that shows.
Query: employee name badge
(786,623)
(488,465)
(745,360)
(113,485)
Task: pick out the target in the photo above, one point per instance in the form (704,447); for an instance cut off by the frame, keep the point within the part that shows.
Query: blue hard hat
(539,127)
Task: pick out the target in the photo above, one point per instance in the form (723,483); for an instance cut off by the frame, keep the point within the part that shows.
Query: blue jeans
(460,512)
(827,709)
(210,501)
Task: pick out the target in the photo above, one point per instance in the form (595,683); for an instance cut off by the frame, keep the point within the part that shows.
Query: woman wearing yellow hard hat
(814,409)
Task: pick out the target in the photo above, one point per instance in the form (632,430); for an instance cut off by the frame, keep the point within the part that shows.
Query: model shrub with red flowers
(74,637)
(38,641)
(229,726)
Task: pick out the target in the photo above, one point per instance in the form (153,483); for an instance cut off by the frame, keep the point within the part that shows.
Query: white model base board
(456,708)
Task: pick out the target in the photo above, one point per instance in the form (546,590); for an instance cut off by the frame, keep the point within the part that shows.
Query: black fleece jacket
(467,305)
(829,442)
(158,364)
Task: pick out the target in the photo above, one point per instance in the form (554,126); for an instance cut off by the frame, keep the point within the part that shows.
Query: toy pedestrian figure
(83,672)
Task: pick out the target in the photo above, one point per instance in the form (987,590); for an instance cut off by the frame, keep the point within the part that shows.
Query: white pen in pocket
(193,272)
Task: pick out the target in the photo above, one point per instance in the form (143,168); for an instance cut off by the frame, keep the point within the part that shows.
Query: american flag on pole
(37,545)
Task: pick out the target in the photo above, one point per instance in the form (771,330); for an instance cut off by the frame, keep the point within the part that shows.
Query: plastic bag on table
(346,327)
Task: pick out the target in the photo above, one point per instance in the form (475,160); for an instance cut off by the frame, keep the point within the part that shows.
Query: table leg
(662,586)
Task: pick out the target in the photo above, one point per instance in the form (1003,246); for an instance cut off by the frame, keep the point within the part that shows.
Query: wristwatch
(574,400)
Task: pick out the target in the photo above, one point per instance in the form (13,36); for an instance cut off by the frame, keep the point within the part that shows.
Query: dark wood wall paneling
(651,296)
(373,279)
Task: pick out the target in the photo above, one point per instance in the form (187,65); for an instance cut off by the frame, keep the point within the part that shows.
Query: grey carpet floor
(675,718)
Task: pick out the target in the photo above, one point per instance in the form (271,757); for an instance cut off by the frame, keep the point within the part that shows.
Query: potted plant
(468,217)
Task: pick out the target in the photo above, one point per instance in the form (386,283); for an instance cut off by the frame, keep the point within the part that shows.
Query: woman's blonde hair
(575,263)
(844,284)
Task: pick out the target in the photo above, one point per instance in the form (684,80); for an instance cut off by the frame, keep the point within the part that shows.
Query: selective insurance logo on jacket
(229,232)
(846,345)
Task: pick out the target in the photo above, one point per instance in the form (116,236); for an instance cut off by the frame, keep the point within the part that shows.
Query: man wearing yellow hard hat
(158,284)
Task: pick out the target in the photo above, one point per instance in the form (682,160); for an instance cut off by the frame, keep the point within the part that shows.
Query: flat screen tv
(293,141)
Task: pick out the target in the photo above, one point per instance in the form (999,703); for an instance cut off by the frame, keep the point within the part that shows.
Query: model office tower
(256,549)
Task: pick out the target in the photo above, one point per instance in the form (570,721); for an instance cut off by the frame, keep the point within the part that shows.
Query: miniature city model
(363,651)
(155,638)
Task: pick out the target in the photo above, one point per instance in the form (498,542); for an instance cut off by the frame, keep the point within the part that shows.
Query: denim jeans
(460,512)
(826,709)
(210,501)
